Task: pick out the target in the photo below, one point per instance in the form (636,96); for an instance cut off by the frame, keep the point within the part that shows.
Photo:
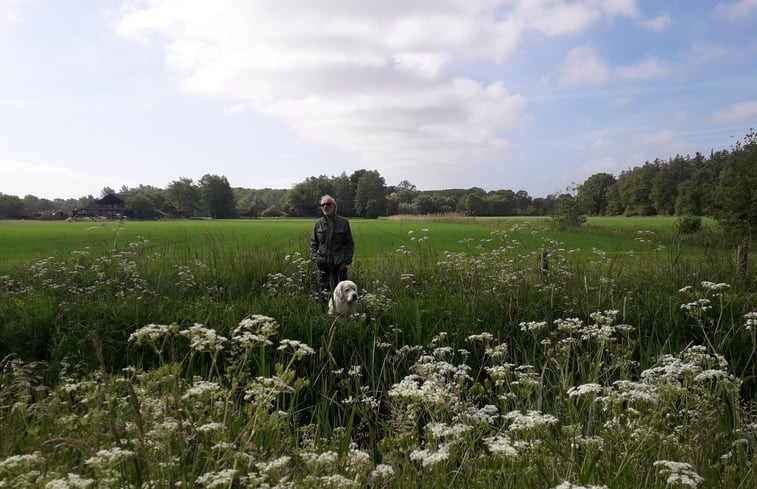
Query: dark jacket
(331,242)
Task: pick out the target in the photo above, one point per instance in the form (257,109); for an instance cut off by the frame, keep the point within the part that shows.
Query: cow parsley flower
(71,481)
(715,287)
(201,388)
(222,478)
(299,349)
(584,389)
(382,471)
(107,459)
(484,337)
(568,485)
(530,420)
(533,326)
(751,320)
(678,473)
(153,333)
(255,330)
(204,339)
(429,458)
(501,446)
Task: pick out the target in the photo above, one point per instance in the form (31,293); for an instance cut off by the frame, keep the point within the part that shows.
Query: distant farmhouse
(258,209)
(111,206)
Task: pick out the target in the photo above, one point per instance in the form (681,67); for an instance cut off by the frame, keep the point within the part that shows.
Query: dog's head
(346,291)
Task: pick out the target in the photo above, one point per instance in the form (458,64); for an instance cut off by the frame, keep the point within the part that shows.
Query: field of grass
(21,242)
(199,354)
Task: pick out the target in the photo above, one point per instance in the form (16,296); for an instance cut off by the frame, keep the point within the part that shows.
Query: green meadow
(200,354)
(24,241)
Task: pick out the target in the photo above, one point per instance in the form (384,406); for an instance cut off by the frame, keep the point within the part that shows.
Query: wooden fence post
(742,257)
(543,262)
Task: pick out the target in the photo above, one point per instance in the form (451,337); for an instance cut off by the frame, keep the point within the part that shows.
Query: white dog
(343,301)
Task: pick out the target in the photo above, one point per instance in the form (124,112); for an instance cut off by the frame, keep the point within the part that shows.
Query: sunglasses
(327,204)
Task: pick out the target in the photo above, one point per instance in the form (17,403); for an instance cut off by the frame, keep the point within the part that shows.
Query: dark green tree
(185,196)
(302,200)
(217,197)
(665,184)
(11,207)
(498,205)
(141,207)
(475,204)
(522,203)
(370,195)
(634,188)
(425,204)
(594,194)
(737,191)
(568,212)
(344,193)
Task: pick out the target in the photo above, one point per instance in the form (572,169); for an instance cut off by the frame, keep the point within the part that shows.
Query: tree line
(722,185)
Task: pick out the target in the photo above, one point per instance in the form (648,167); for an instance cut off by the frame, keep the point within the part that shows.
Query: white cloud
(377,79)
(740,112)
(659,23)
(581,66)
(736,10)
(657,138)
(47,181)
(644,70)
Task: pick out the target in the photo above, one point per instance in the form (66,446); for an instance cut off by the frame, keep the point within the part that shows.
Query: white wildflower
(530,420)
(584,389)
(679,473)
(498,352)
(201,388)
(750,320)
(299,349)
(501,446)
(442,431)
(358,461)
(274,465)
(107,459)
(255,330)
(715,287)
(24,462)
(203,339)
(319,460)
(382,471)
(153,333)
(71,481)
(569,325)
(568,485)
(210,427)
(223,478)
(533,326)
(429,458)
(481,337)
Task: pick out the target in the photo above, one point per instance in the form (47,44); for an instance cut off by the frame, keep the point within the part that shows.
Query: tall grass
(139,366)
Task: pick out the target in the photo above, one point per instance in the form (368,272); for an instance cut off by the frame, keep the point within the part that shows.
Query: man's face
(328,207)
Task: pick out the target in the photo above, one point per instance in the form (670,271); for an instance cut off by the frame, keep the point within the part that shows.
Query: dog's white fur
(343,301)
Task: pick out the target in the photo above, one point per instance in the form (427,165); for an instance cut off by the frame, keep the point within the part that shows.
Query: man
(331,246)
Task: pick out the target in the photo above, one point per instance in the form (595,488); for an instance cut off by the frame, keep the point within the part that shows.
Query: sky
(531,95)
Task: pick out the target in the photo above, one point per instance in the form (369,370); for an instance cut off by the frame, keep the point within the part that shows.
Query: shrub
(689,224)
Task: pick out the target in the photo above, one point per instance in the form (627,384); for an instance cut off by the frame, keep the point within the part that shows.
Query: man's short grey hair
(327,196)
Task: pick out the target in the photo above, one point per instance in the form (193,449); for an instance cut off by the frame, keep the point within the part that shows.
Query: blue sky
(520,94)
